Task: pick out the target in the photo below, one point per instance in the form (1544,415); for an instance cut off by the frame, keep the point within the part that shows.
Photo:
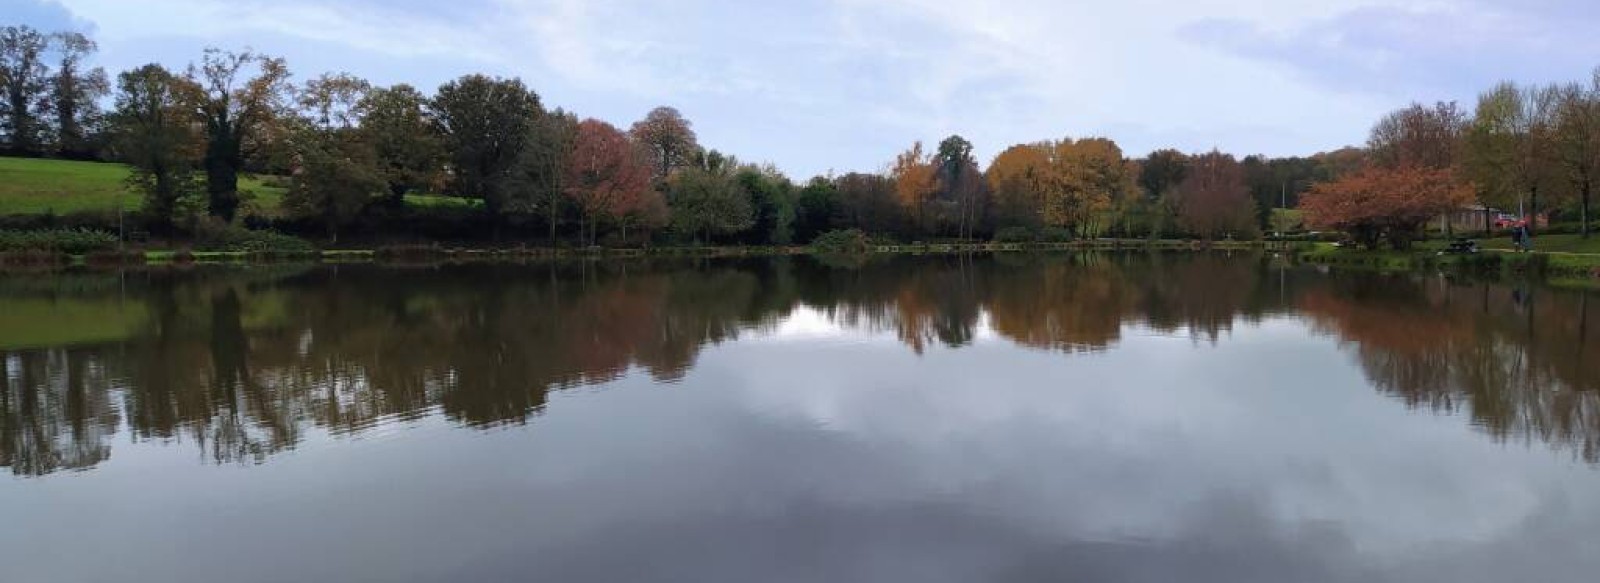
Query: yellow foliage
(915,179)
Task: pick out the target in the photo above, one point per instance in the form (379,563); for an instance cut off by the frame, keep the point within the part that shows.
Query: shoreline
(1545,263)
(412,253)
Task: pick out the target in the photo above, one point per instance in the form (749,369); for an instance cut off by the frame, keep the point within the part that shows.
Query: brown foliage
(1427,137)
(915,181)
(668,138)
(1384,202)
(605,175)
(1212,198)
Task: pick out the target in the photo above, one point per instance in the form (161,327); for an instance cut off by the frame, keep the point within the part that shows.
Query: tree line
(349,152)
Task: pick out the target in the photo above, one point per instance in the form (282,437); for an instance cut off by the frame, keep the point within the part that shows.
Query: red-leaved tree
(606,175)
(1377,203)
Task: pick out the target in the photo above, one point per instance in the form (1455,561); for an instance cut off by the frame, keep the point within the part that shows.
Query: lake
(1015,417)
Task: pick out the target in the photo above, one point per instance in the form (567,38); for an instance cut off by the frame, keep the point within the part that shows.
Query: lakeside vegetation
(231,155)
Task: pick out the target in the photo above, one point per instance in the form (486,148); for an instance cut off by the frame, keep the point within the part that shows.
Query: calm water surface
(1011,418)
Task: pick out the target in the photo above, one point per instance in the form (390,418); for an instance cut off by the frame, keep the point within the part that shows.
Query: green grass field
(1550,243)
(34,186)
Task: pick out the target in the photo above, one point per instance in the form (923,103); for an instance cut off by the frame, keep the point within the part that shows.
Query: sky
(818,86)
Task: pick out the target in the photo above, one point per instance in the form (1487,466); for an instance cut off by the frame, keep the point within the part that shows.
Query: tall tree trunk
(1533,209)
(397,196)
(222,189)
(551,211)
(1583,213)
(221,162)
(1488,225)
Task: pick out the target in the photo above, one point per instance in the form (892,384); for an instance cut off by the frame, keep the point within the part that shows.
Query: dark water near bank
(1012,418)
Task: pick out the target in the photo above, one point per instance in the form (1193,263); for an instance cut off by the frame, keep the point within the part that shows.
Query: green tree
(960,183)
(395,123)
(152,131)
(1577,140)
(485,123)
(538,180)
(332,100)
(707,201)
(335,177)
(336,172)
(771,204)
(242,96)
(1509,148)
(817,209)
(75,95)
(1276,183)
(25,83)
(1160,173)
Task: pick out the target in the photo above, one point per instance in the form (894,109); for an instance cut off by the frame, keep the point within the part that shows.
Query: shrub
(1014,235)
(846,241)
(1056,235)
(214,235)
(70,241)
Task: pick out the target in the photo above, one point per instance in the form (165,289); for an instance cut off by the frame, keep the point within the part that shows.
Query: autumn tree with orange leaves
(915,176)
(1017,177)
(606,175)
(1089,176)
(1385,203)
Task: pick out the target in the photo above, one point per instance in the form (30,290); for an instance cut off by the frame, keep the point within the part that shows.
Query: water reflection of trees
(1516,359)
(55,412)
(242,366)
(243,363)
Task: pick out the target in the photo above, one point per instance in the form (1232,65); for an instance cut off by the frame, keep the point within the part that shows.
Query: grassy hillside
(33,186)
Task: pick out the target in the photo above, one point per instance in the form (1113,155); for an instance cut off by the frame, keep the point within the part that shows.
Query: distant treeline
(348,153)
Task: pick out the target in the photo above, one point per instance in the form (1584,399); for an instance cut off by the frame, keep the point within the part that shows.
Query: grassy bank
(1554,264)
(31,186)
(1565,243)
